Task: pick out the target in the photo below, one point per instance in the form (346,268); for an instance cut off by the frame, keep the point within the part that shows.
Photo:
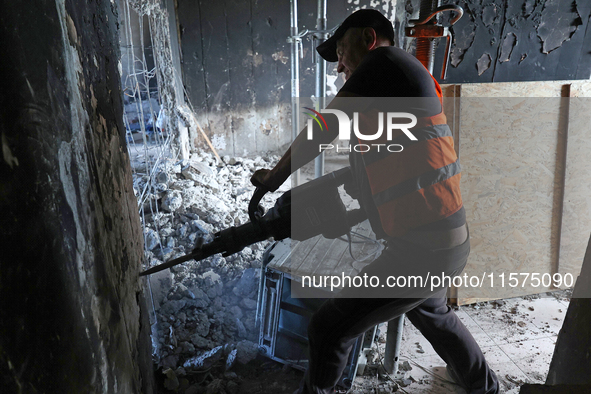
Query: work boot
(453,376)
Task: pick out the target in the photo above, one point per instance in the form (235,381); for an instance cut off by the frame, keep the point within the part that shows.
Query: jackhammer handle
(255,211)
(355,216)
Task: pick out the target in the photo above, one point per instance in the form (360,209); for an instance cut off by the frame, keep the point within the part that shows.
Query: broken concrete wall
(507,41)
(235,58)
(236,67)
(136,37)
(152,90)
(72,316)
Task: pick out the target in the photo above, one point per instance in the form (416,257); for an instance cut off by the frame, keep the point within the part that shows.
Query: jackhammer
(319,209)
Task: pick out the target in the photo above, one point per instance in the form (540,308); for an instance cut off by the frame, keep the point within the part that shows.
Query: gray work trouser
(341,320)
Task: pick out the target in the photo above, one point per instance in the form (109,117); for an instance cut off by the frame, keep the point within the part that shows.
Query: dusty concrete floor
(517,336)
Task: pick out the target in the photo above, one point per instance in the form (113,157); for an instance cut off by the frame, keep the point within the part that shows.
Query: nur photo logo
(390,119)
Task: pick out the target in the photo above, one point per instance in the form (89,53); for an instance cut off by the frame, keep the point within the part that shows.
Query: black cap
(361,18)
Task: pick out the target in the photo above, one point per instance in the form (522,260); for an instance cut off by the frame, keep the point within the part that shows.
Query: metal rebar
(425,51)
(295,79)
(393,341)
(320,77)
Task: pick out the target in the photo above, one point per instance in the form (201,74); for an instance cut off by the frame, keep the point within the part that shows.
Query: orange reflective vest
(418,185)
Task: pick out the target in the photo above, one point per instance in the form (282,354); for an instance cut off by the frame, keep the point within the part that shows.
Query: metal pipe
(271,310)
(447,7)
(295,79)
(426,46)
(260,300)
(393,341)
(320,76)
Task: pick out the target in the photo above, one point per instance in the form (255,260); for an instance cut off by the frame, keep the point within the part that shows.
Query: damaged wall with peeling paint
(236,67)
(235,58)
(508,41)
(72,314)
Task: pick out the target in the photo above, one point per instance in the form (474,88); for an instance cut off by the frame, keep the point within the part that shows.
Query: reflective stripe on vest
(423,134)
(420,184)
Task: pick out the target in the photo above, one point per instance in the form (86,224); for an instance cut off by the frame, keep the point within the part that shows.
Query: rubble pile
(204,310)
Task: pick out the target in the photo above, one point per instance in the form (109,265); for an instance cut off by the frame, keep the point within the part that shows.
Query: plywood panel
(514,89)
(508,156)
(451,107)
(507,232)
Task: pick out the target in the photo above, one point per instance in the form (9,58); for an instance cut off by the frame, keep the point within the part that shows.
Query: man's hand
(305,150)
(263,179)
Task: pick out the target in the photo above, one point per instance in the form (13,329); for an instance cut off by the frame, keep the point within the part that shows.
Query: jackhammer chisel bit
(196,254)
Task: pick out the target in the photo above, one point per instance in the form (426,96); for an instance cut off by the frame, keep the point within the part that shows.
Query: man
(412,199)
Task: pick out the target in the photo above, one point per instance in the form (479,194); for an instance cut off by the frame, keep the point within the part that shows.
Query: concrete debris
(151,239)
(205,310)
(404,366)
(231,359)
(180,291)
(160,282)
(189,173)
(514,323)
(205,360)
(172,201)
(172,307)
(200,342)
(169,361)
(200,167)
(217,386)
(246,351)
(211,277)
(162,177)
(247,303)
(241,328)
(248,281)
(374,385)
(171,382)
(405,382)
(419,348)
(236,311)
(498,303)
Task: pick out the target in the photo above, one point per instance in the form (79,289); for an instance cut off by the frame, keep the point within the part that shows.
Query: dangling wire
(367,240)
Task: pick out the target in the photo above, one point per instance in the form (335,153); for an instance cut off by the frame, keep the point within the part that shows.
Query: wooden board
(576,219)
